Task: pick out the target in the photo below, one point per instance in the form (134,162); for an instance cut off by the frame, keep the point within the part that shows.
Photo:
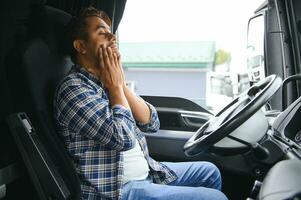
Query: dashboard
(287,125)
(283,181)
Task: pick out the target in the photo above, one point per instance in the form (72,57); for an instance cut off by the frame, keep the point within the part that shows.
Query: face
(98,33)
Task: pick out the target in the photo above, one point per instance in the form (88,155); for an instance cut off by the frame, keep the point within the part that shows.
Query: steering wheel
(233,115)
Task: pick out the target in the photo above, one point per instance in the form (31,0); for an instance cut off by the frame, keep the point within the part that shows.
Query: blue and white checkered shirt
(96,134)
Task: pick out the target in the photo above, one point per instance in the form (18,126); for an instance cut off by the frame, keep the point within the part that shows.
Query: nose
(111,37)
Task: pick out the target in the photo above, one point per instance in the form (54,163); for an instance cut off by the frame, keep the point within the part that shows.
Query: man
(102,123)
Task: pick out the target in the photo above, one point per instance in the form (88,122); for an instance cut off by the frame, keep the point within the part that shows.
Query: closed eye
(102,29)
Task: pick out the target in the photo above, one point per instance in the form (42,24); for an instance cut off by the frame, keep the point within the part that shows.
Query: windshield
(193,49)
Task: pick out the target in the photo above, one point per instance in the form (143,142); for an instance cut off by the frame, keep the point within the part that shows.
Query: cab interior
(255,140)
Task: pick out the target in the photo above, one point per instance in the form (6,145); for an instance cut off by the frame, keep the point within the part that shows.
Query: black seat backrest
(34,68)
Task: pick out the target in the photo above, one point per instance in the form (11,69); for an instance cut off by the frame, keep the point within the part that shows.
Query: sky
(223,21)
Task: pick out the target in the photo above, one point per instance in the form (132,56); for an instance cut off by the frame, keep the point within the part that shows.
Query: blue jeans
(196,180)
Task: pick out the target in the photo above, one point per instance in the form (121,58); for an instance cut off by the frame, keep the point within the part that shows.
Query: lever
(258,150)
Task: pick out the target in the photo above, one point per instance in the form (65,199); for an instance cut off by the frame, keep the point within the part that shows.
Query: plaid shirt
(96,134)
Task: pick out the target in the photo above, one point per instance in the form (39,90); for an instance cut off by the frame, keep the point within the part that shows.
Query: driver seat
(35,67)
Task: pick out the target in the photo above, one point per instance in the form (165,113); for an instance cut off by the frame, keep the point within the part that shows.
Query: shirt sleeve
(86,112)
(154,124)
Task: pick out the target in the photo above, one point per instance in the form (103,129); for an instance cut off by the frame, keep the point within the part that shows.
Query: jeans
(196,180)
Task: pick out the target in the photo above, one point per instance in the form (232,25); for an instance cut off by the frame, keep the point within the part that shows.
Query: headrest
(49,24)
(41,60)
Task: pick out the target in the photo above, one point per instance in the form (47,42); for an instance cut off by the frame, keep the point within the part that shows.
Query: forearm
(138,107)
(117,97)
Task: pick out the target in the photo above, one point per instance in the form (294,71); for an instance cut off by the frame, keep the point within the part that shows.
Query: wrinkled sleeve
(154,124)
(85,112)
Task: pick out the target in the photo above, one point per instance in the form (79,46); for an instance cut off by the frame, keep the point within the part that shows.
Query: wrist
(116,90)
(117,96)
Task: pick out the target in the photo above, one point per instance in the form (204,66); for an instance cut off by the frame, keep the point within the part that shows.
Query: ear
(79,46)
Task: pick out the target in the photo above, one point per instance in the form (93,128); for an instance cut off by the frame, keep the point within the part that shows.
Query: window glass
(194,49)
(255,49)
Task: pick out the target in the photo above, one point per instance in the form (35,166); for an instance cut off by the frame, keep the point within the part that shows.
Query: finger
(105,56)
(116,62)
(101,68)
(110,53)
(116,50)
(100,58)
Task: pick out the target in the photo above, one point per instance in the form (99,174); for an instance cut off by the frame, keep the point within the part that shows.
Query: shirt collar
(89,75)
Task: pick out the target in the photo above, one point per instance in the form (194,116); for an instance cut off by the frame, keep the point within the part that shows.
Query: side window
(255,48)
(191,49)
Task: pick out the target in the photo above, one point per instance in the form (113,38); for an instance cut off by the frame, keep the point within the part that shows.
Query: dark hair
(77,27)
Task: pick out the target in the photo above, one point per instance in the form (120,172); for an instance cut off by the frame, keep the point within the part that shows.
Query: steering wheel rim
(233,115)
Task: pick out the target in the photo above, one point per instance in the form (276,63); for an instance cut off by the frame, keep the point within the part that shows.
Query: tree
(222,56)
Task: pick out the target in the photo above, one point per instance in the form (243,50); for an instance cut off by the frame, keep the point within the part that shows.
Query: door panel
(179,120)
(168,144)
(178,113)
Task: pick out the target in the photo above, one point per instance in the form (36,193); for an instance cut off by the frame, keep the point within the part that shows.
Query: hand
(110,74)
(115,50)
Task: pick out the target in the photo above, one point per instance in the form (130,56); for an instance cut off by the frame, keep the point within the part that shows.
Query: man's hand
(115,50)
(111,75)
(140,110)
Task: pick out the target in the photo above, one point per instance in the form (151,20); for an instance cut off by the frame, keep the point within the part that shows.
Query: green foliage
(222,56)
